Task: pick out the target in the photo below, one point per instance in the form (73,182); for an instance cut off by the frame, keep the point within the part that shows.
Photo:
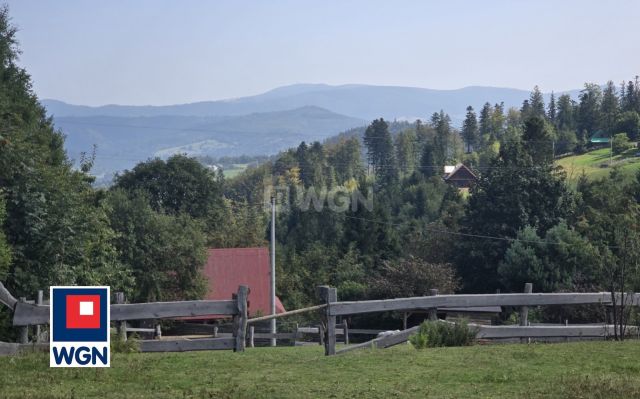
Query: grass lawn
(592,164)
(235,170)
(571,370)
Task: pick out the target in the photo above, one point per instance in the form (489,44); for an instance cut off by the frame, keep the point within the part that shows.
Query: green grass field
(572,370)
(595,164)
(235,170)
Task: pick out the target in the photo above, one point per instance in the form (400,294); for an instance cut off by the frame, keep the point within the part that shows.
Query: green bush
(432,334)
(131,345)
(621,143)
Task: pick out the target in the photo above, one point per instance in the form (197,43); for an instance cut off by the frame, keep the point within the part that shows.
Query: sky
(167,52)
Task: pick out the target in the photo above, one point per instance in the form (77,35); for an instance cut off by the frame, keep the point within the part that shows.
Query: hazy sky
(167,52)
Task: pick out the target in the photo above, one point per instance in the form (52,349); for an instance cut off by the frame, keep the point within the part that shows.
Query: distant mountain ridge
(263,124)
(123,141)
(360,101)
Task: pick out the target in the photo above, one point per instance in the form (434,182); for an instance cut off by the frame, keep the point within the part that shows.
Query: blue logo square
(63,314)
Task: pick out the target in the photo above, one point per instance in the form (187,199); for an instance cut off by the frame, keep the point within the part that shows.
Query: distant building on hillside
(459,175)
(228,268)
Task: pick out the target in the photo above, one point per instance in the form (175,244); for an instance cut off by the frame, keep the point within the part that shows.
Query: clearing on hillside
(595,164)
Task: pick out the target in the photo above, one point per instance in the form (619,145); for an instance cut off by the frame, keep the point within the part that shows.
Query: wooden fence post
(158,333)
(121,326)
(321,334)
(433,312)
(39,300)
(23,334)
(524,310)
(345,331)
(251,341)
(295,336)
(240,320)
(328,295)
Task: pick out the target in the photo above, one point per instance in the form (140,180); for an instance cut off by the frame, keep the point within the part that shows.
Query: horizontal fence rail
(27,314)
(434,302)
(473,300)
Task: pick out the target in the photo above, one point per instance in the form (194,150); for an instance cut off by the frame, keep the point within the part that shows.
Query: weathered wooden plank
(240,320)
(185,345)
(6,298)
(383,342)
(121,326)
(287,336)
(142,330)
(433,312)
(488,332)
(23,332)
(524,310)
(39,301)
(397,338)
(163,310)
(26,314)
(329,296)
(340,331)
(284,314)
(345,327)
(473,300)
(9,348)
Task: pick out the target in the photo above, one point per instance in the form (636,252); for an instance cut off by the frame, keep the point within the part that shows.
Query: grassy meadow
(568,370)
(595,164)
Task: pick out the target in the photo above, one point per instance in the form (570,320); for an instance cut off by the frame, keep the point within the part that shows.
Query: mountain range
(260,124)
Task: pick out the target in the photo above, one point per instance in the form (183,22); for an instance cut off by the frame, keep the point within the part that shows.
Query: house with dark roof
(459,175)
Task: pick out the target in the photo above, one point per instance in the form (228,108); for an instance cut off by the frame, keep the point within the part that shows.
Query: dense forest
(398,229)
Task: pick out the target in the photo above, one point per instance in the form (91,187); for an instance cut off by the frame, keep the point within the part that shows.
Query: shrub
(621,143)
(131,345)
(432,334)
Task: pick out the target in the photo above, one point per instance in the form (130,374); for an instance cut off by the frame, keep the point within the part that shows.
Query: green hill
(597,164)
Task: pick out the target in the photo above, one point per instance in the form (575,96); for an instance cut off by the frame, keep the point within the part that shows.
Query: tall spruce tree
(552,110)
(470,130)
(609,109)
(381,152)
(536,100)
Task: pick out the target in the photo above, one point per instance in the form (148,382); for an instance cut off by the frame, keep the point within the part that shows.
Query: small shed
(459,175)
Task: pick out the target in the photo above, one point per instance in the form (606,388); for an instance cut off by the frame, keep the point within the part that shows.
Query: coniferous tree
(589,110)
(497,121)
(470,129)
(485,125)
(538,141)
(442,141)
(565,118)
(380,151)
(536,100)
(609,109)
(525,110)
(552,110)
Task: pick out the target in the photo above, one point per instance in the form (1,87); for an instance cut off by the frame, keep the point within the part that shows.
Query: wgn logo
(79,327)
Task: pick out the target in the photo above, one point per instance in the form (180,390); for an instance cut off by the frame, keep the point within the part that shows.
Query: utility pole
(273,267)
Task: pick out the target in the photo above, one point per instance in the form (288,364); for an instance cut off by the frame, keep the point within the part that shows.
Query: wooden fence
(27,314)
(334,308)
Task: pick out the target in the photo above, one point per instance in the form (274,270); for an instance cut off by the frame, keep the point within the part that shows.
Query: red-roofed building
(228,268)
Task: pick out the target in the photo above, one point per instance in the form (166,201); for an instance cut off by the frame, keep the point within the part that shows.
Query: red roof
(226,269)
